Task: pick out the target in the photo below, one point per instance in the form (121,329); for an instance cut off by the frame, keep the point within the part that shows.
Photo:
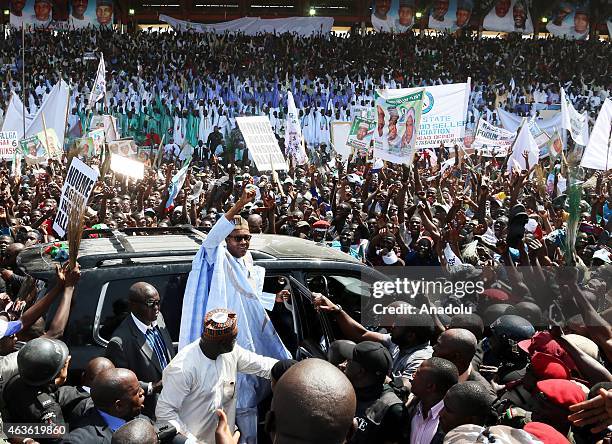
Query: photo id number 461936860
(34,430)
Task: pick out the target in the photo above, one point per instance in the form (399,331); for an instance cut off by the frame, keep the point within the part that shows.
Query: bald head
(458,345)
(94,368)
(313,402)
(117,392)
(144,302)
(255,223)
(140,291)
(137,431)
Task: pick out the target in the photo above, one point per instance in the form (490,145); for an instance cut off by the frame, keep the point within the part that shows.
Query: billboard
(61,14)
(509,16)
(570,20)
(393,15)
(450,15)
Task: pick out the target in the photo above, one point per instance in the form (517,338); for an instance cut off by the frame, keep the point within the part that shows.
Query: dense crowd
(525,359)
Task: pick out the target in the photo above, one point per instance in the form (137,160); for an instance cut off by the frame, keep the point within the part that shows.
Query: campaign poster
(393,15)
(491,140)
(85,147)
(60,13)
(361,134)
(94,13)
(397,126)
(570,21)
(98,138)
(509,16)
(33,150)
(450,15)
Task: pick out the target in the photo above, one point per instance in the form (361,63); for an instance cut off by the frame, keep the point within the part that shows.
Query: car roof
(173,245)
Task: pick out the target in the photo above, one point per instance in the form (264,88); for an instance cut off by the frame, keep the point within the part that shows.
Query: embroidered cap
(240,223)
(220,324)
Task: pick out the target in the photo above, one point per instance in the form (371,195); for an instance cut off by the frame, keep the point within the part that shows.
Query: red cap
(543,342)
(548,367)
(561,392)
(321,224)
(495,294)
(545,433)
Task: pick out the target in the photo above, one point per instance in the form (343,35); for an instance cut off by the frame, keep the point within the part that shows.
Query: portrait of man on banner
(397,126)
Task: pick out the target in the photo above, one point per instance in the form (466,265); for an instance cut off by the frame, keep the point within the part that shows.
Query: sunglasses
(150,303)
(246,238)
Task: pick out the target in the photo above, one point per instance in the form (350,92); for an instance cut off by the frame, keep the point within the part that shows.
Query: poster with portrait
(31,13)
(450,15)
(51,143)
(393,15)
(361,133)
(397,126)
(570,21)
(60,14)
(94,13)
(123,147)
(33,150)
(509,16)
(97,137)
(85,147)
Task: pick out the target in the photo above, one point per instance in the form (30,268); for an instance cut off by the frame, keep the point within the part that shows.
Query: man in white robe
(223,276)
(202,378)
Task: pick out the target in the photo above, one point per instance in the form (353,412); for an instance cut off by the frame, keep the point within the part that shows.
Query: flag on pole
(598,152)
(99,87)
(293,133)
(572,120)
(176,184)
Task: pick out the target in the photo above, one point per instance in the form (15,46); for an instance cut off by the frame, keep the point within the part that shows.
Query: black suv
(111,261)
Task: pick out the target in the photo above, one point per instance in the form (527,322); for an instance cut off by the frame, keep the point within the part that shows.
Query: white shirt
(422,430)
(141,325)
(195,386)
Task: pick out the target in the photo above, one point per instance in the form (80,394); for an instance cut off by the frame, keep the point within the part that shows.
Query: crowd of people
(525,360)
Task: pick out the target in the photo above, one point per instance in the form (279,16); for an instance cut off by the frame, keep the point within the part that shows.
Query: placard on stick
(8,144)
(79,183)
(261,142)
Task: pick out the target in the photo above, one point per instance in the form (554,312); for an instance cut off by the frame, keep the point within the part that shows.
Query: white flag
(524,142)
(598,152)
(293,133)
(99,87)
(572,120)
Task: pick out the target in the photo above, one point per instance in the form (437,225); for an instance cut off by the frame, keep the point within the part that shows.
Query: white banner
(491,140)
(512,122)
(127,167)
(577,124)
(339,135)
(79,183)
(302,26)
(294,141)
(444,113)
(8,144)
(53,108)
(509,16)
(262,143)
(598,152)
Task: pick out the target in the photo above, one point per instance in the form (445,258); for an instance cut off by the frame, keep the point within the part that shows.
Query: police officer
(502,357)
(34,392)
(380,413)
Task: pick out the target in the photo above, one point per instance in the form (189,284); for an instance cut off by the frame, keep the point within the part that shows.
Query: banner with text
(491,140)
(444,113)
(8,144)
(397,127)
(78,185)
(261,143)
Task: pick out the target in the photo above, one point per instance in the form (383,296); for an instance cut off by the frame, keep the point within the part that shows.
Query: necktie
(157,344)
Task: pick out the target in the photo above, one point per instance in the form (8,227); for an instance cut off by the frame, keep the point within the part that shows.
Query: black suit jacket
(128,348)
(91,429)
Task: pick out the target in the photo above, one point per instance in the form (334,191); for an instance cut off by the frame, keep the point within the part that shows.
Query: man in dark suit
(117,398)
(142,343)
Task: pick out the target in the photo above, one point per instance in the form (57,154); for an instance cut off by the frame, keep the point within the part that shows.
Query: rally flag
(99,87)
(524,142)
(293,133)
(176,184)
(577,124)
(597,154)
